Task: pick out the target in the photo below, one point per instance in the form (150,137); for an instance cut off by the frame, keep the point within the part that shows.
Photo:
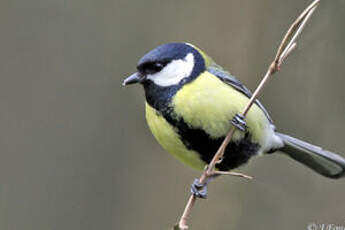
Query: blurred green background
(75,150)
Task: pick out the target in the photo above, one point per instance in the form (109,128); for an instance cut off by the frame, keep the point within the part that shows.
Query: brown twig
(232,174)
(287,45)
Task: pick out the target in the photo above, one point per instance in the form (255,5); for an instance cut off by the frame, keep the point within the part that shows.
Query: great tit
(190,105)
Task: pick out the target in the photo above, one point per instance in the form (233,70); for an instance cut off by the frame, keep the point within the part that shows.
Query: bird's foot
(199,190)
(239,122)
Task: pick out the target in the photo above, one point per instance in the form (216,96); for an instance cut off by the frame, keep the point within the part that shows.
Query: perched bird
(191,103)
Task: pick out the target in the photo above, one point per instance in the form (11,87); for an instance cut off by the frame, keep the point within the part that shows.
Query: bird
(192,102)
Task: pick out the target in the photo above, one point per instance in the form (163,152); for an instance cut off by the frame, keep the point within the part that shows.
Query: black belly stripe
(236,154)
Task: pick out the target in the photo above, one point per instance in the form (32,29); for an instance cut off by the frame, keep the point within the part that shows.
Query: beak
(134,78)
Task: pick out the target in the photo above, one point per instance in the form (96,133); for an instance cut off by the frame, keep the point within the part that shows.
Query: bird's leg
(239,122)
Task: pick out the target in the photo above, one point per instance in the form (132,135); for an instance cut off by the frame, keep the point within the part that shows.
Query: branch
(287,45)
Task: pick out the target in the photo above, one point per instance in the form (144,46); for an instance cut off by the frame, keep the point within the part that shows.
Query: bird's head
(169,65)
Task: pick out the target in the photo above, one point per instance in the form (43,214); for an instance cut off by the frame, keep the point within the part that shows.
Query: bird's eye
(153,67)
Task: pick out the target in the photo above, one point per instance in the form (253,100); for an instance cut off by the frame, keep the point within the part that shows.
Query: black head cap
(163,54)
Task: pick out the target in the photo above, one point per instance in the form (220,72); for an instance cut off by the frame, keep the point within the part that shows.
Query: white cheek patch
(174,72)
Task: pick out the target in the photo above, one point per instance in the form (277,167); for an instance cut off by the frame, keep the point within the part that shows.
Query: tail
(322,161)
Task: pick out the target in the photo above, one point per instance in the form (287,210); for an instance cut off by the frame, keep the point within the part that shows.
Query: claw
(199,190)
(239,122)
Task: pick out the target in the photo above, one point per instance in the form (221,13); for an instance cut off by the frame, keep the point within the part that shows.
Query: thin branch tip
(233,174)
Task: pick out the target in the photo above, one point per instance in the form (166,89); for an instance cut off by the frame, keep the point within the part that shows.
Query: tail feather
(322,161)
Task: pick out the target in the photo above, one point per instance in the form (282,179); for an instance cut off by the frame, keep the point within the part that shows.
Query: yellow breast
(209,104)
(167,137)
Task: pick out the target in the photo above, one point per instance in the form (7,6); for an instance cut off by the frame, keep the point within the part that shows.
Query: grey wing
(234,82)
